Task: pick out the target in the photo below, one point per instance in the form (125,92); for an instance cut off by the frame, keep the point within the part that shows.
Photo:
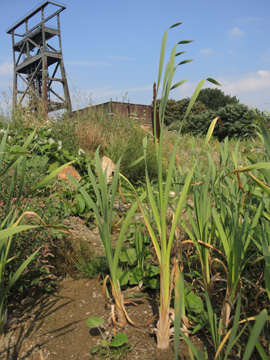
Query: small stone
(27,301)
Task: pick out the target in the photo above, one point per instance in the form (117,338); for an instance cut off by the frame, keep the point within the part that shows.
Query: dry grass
(89,136)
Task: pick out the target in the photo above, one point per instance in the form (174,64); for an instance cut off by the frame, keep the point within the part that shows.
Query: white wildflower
(51,141)
(2,131)
(80,151)
(59,145)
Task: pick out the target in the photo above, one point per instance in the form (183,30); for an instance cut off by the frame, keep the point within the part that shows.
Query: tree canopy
(213,99)
(237,118)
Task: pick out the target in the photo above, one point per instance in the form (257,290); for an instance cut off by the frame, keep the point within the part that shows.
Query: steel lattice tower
(39,74)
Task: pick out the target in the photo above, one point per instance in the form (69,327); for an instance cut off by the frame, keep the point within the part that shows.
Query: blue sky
(111,47)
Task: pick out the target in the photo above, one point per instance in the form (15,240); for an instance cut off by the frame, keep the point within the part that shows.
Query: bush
(213,99)
(237,121)
(175,110)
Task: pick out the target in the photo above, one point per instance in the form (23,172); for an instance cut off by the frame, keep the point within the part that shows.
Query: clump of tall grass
(116,136)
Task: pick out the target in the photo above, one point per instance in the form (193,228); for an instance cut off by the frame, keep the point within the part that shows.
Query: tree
(214,99)
(237,120)
(175,110)
(172,111)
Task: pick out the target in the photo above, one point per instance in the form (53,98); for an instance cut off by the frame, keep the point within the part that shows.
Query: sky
(111,48)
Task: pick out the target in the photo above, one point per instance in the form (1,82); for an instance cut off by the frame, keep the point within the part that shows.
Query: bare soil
(54,326)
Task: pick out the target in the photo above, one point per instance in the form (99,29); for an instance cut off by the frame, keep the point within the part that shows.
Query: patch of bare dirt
(54,326)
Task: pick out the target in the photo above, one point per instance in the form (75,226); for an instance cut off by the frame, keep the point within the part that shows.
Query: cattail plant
(159,198)
(103,210)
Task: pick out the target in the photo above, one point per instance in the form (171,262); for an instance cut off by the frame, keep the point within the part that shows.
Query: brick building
(143,113)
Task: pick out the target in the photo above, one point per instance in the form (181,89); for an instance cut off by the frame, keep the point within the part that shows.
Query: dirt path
(54,326)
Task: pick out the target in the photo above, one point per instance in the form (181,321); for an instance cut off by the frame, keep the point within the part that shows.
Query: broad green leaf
(80,203)
(136,276)
(152,283)
(94,350)
(123,276)
(194,302)
(152,271)
(119,340)
(94,322)
(129,255)
(104,343)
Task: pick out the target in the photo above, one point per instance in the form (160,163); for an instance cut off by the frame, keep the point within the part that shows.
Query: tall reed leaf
(103,210)
(254,334)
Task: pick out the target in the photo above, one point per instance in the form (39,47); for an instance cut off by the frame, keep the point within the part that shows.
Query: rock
(62,175)
(27,301)
(107,163)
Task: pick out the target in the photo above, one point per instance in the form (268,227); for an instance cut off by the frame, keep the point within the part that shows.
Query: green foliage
(11,161)
(222,204)
(94,322)
(136,268)
(116,137)
(92,265)
(175,110)
(119,340)
(237,121)
(128,146)
(213,99)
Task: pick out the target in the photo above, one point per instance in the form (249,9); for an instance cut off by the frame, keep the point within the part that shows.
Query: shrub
(237,121)
(213,99)
(175,110)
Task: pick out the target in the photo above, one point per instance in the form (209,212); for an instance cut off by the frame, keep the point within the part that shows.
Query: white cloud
(6,69)
(249,83)
(252,88)
(205,52)
(235,32)
(264,73)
